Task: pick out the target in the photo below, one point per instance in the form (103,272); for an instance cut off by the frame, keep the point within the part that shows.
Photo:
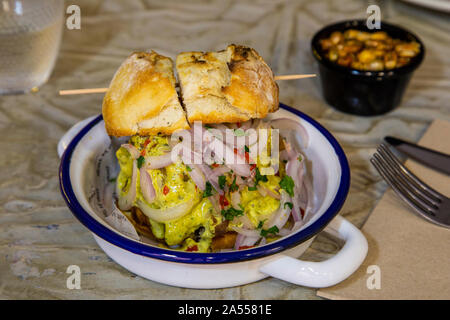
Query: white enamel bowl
(330,178)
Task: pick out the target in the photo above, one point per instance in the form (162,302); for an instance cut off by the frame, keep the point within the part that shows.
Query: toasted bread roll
(225,241)
(231,85)
(142,99)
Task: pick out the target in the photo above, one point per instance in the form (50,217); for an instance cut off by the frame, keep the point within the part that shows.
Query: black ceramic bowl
(365,93)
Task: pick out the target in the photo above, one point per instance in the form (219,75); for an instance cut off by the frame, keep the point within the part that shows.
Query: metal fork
(426,201)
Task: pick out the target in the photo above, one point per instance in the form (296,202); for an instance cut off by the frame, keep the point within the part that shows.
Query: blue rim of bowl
(139,248)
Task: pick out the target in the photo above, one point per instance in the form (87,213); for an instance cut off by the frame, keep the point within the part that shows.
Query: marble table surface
(39,237)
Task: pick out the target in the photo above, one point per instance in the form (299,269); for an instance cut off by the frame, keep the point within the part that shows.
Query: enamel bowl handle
(70,134)
(325,273)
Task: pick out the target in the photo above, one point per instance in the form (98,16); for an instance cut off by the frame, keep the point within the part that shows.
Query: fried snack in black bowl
(365,93)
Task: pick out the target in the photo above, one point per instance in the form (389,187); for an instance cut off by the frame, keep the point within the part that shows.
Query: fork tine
(399,191)
(399,178)
(418,182)
(430,199)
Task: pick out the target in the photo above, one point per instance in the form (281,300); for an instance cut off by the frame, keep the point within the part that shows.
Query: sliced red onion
(147,189)
(158,162)
(263,241)
(249,241)
(281,215)
(126,200)
(166,215)
(296,214)
(219,171)
(247,232)
(246,125)
(310,196)
(242,170)
(262,191)
(236,200)
(197,176)
(210,177)
(284,232)
(238,242)
(246,223)
(286,123)
(215,202)
(132,150)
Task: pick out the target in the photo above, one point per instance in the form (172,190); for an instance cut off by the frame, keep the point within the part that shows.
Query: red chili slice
(166,190)
(252,166)
(302,212)
(193,248)
(245,247)
(247,157)
(223,201)
(215,165)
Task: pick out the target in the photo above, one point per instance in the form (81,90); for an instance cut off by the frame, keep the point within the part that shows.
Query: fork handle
(325,273)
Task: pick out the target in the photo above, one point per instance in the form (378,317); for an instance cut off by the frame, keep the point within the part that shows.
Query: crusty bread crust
(231,85)
(142,99)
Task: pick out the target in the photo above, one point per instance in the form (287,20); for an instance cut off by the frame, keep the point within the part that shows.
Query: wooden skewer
(103,90)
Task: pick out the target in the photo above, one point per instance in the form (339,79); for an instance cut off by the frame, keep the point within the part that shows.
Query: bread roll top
(231,85)
(142,99)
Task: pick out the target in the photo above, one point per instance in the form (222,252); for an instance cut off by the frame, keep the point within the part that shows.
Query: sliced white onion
(147,189)
(132,150)
(166,215)
(126,200)
(286,123)
(158,162)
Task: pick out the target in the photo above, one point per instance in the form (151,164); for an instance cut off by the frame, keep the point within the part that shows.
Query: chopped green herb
(140,161)
(259,177)
(252,188)
(189,169)
(299,158)
(222,181)
(234,187)
(261,224)
(246,149)
(289,204)
(287,184)
(231,213)
(208,190)
(273,230)
(113,179)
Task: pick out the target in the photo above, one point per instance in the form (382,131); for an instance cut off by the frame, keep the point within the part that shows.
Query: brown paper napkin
(412,254)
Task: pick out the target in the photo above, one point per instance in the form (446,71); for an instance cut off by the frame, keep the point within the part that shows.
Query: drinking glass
(30,35)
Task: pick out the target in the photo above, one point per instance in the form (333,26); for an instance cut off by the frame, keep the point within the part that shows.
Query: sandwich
(197,173)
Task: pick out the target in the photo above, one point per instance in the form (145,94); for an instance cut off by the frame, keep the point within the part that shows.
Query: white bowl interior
(322,163)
